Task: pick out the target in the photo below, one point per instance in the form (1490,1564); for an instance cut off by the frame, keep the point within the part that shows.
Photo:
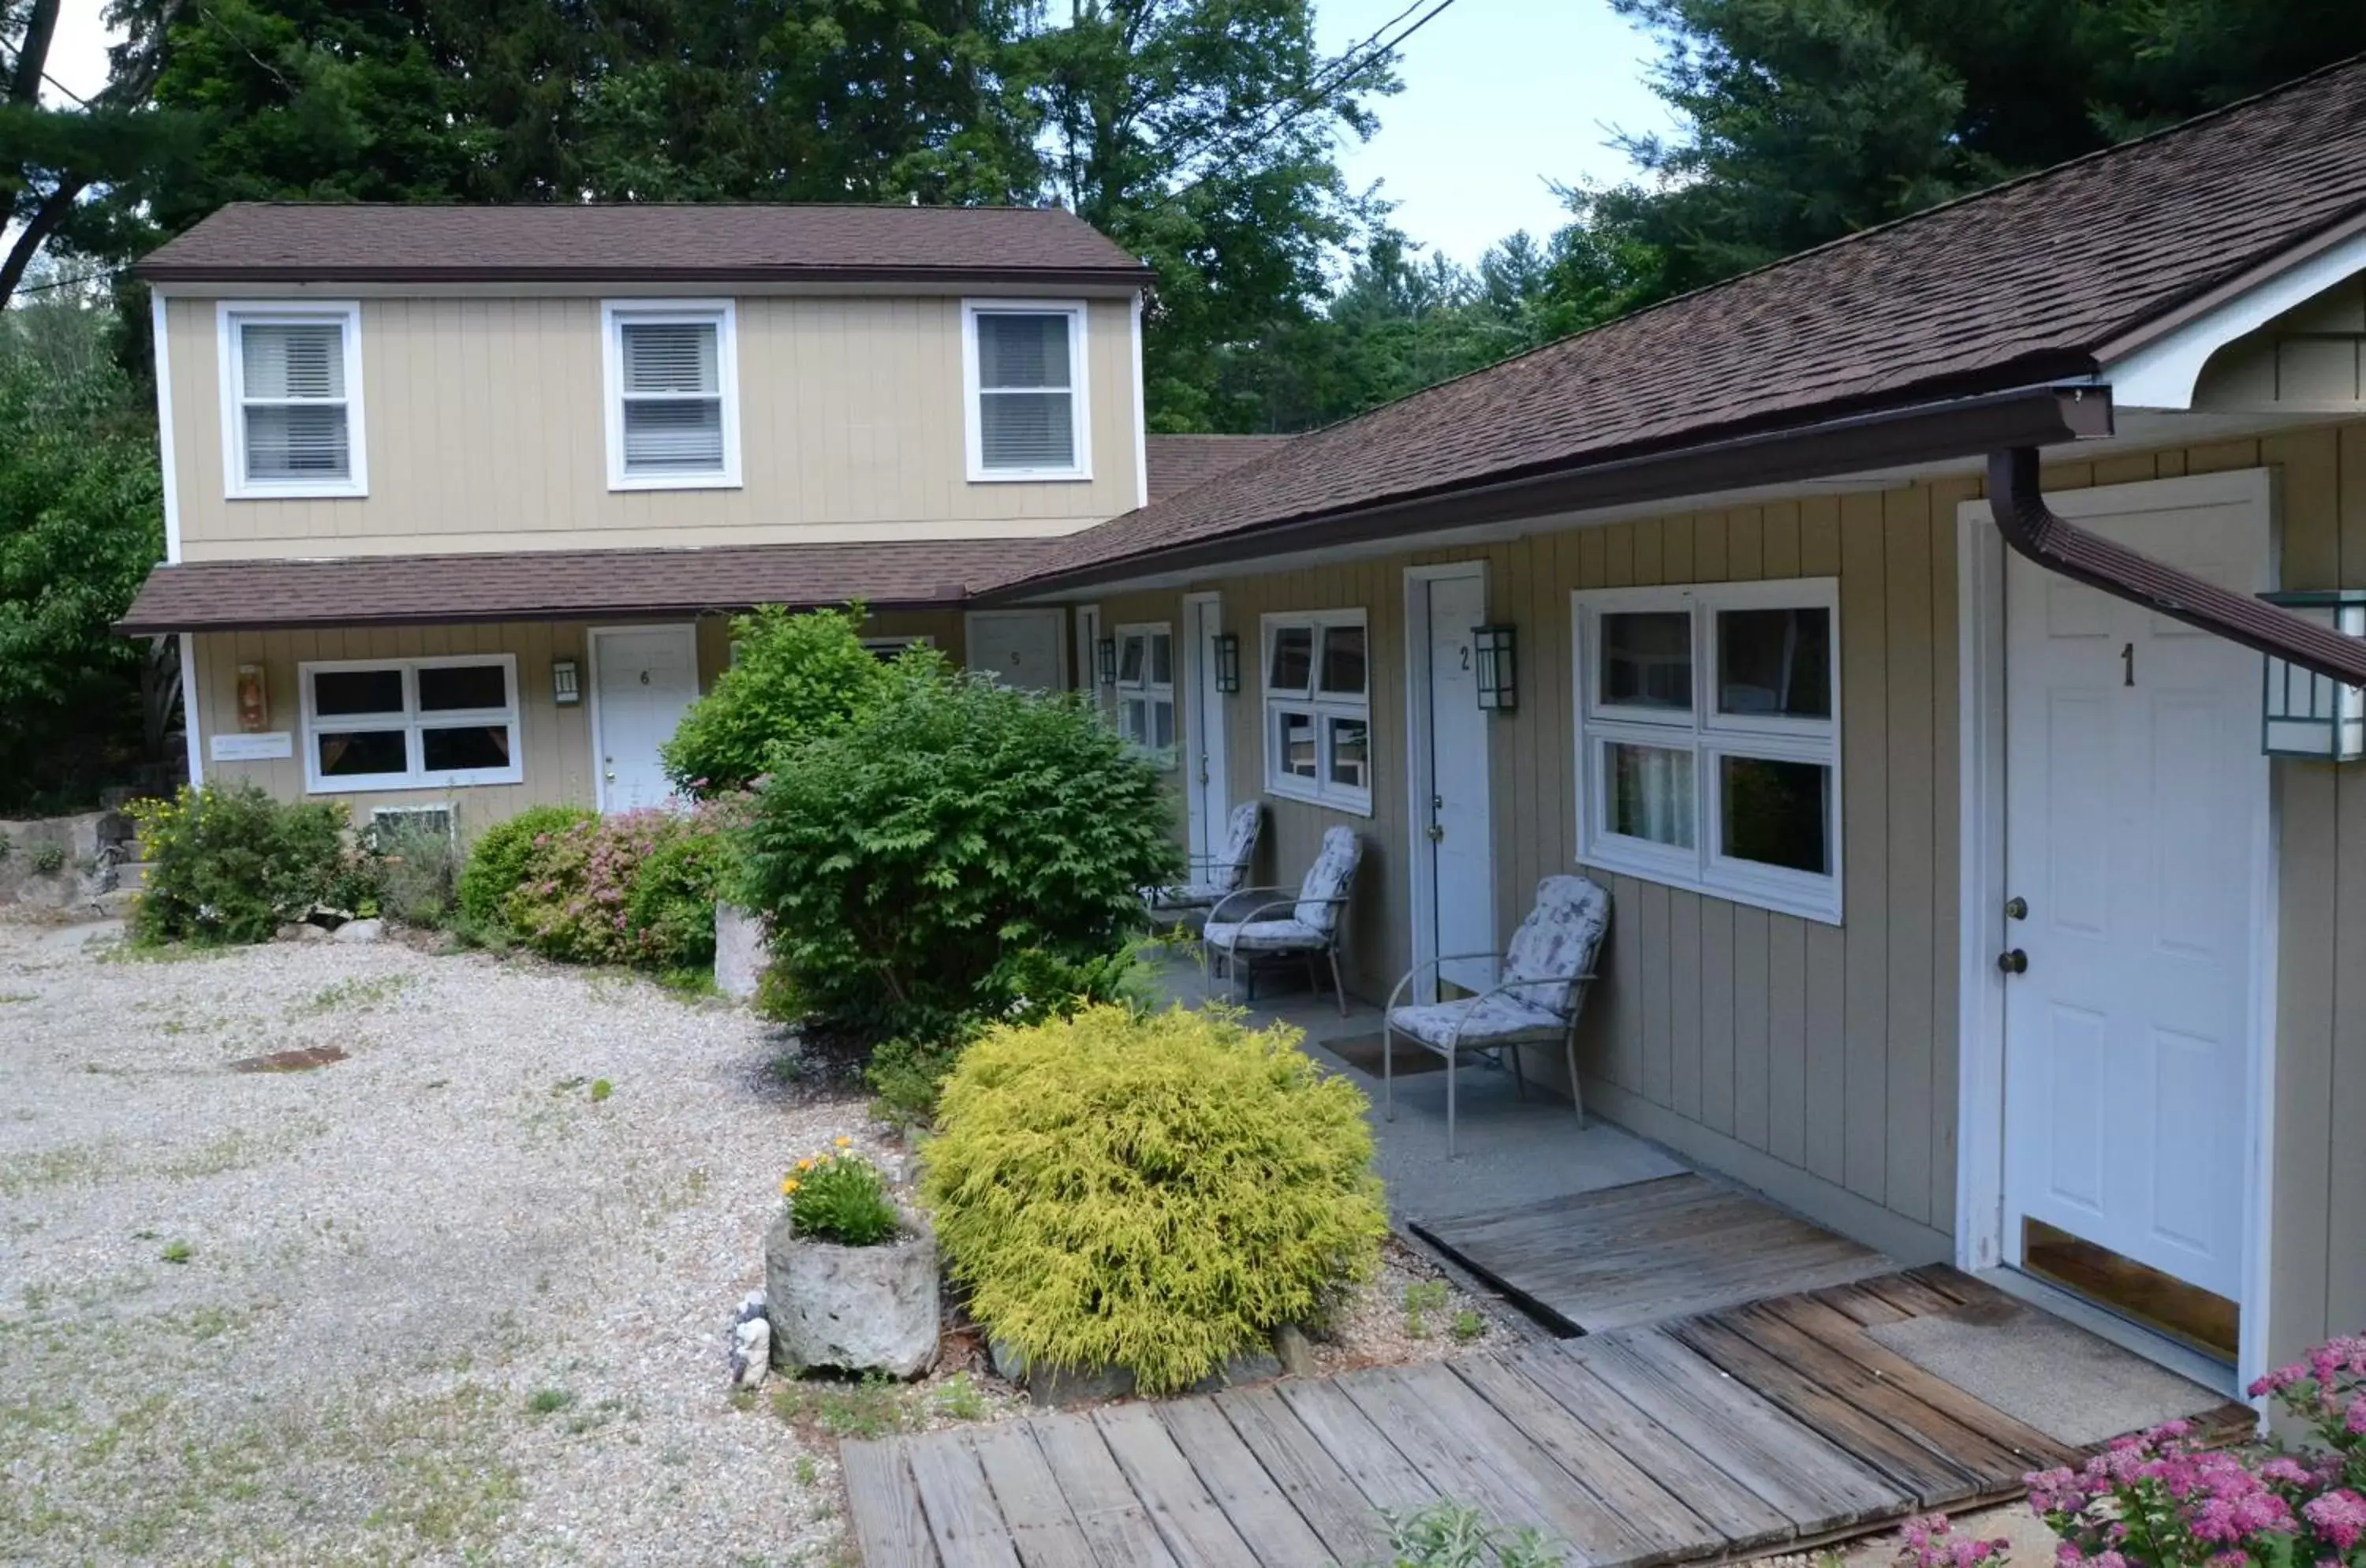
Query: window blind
(1026,402)
(293,392)
(672,398)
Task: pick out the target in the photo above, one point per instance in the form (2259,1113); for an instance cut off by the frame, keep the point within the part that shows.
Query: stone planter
(856,1309)
(1060,1388)
(740,953)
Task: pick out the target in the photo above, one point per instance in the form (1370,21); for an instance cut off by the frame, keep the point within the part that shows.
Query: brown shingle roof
(2020,284)
(1179,462)
(554,584)
(305,242)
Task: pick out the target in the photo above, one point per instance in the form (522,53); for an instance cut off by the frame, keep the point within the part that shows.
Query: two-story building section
(457,497)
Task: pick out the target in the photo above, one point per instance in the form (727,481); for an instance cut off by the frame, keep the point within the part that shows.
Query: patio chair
(1256,924)
(1545,975)
(1217,875)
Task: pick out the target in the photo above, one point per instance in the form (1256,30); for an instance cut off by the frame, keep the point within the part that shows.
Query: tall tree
(1201,135)
(1807,119)
(56,159)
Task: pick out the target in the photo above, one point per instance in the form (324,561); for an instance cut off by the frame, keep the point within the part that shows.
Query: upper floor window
(1318,709)
(1708,739)
(291,378)
(1026,397)
(671,369)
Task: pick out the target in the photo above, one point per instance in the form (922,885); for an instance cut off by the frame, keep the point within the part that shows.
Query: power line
(1309,97)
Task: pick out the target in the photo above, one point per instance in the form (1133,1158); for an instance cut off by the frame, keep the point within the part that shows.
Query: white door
(646,678)
(1209,799)
(2135,803)
(1453,848)
(1023,647)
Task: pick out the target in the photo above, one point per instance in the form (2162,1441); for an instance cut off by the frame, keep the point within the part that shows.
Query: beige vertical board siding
(485,430)
(1913,893)
(2341,460)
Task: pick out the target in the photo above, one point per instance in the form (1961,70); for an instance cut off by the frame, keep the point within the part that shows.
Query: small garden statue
(850,1282)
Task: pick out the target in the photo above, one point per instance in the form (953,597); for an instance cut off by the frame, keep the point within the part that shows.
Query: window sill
(1030,476)
(388,784)
(349,489)
(620,483)
(1823,910)
(1307,794)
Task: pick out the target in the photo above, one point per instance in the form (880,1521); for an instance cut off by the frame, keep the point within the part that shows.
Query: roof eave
(2044,414)
(263,272)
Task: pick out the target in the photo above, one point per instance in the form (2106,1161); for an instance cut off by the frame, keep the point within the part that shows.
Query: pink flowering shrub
(1929,1542)
(638,888)
(2158,1501)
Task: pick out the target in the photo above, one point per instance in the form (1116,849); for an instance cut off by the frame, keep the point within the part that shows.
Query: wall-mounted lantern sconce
(565,691)
(253,699)
(2310,715)
(1104,655)
(1496,660)
(1228,662)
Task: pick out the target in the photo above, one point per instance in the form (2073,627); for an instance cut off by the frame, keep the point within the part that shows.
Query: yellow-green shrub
(1151,1192)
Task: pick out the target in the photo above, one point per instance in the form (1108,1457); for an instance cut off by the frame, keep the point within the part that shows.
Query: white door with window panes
(1145,691)
(1318,709)
(1207,791)
(1708,739)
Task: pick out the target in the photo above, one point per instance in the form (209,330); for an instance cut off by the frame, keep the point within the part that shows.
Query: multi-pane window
(673,416)
(292,398)
(1318,709)
(1145,691)
(411,724)
(1026,402)
(1708,739)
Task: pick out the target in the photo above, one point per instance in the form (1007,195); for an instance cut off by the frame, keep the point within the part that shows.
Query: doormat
(1362,1051)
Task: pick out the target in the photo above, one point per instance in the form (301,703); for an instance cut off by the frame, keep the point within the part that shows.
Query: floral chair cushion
(1557,942)
(1330,877)
(1225,872)
(1265,936)
(1491,1020)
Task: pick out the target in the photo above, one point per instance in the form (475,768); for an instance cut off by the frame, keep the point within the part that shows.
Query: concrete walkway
(1512,1151)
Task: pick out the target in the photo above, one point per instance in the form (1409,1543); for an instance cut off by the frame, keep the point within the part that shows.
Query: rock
(115,904)
(741,954)
(1292,1349)
(752,1342)
(301,930)
(359,930)
(1248,1367)
(853,1308)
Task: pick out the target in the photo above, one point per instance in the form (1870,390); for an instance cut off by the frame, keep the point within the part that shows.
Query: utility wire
(1309,97)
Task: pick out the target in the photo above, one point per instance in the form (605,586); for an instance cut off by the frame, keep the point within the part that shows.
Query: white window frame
(1079,390)
(1150,692)
(229,317)
(1706,736)
(410,721)
(723,315)
(1322,790)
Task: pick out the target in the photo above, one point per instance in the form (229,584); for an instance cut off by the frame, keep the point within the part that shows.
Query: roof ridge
(1901,221)
(651,206)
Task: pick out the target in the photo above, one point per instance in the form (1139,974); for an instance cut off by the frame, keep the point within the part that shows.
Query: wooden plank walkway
(1775,1425)
(1645,1252)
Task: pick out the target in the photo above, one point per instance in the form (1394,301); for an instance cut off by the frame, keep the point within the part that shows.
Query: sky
(1500,96)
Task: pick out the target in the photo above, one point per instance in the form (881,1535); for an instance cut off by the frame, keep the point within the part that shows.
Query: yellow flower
(805,1164)
(788,1185)
(844,1142)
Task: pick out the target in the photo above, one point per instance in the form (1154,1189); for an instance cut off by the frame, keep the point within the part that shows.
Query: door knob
(2016,908)
(1437,833)
(2013,961)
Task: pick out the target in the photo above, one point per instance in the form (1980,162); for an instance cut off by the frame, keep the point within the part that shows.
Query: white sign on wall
(254,748)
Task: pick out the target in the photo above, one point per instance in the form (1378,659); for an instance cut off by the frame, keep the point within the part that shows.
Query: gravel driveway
(431,1302)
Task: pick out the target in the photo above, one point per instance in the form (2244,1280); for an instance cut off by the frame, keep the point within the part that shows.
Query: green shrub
(793,677)
(1448,1534)
(414,871)
(496,861)
(839,1197)
(1151,1192)
(961,851)
(46,859)
(231,863)
(638,888)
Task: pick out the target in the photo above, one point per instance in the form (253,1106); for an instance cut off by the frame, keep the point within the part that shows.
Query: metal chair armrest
(1217,913)
(1413,973)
